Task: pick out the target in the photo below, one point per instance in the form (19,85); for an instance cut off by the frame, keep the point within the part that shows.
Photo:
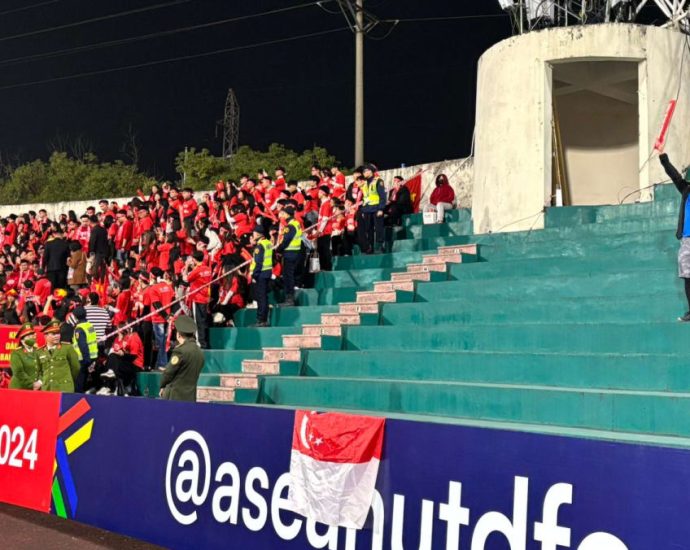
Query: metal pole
(359,84)
(521,16)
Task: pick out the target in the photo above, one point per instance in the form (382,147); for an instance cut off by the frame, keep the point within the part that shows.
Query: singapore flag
(333,467)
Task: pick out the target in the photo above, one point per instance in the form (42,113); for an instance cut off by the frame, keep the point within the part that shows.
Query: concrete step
(390,286)
(302,342)
(411,276)
(350,308)
(243,380)
(321,330)
(439,258)
(286,353)
(455,250)
(339,319)
(206,394)
(258,366)
(369,297)
(416,268)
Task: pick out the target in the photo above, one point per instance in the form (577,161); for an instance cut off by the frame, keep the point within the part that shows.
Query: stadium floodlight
(506,4)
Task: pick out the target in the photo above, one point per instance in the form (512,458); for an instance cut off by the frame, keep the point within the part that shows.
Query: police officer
(57,364)
(181,374)
(23,359)
(85,343)
(290,247)
(373,205)
(261,270)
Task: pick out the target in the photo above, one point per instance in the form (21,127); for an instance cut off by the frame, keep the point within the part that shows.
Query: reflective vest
(370,193)
(296,243)
(267,264)
(91,340)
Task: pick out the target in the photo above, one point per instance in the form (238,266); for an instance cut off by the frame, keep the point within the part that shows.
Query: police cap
(184,324)
(53,327)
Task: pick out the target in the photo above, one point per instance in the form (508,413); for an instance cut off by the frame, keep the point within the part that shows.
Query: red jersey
(131,345)
(83,234)
(201,275)
(123,236)
(325,224)
(42,289)
(189,208)
(160,292)
(123,304)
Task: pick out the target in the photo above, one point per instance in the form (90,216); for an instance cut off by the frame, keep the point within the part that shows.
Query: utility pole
(359,83)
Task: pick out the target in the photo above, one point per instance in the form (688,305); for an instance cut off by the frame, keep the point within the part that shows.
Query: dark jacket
(403,200)
(98,243)
(683,187)
(56,254)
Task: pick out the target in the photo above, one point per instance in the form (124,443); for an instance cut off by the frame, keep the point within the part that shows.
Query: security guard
(181,374)
(290,247)
(57,364)
(23,359)
(373,205)
(261,270)
(85,343)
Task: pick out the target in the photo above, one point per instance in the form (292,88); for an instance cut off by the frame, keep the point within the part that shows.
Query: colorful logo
(63,482)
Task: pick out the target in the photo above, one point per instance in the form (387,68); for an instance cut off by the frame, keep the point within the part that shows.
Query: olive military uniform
(181,374)
(23,362)
(57,368)
(23,365)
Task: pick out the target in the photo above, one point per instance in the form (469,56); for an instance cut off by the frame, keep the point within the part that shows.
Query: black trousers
(145,330)
(123,368)
(290,262)
(81,383)
(323,247)
(260,292)
(201,318)
(57,278)
(373,230)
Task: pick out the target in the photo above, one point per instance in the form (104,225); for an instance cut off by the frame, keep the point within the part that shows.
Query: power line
(173,59)
(450,18)
(94,20)
(140,38)
(30,7)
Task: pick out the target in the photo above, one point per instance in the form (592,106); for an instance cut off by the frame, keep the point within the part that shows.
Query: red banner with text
(8,343)
(28,435)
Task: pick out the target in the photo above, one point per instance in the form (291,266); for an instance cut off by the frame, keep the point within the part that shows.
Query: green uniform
(182,372)
(23,364)
(57,368)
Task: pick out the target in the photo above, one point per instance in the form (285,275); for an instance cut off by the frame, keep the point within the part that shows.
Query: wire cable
(450,18)
(30,7)
(141,38)
(173,59)
(95,20)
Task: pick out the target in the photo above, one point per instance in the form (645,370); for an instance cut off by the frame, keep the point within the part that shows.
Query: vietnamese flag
(414,184)
(333,468)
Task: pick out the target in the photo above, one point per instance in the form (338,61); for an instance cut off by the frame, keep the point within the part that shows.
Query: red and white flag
(333,468)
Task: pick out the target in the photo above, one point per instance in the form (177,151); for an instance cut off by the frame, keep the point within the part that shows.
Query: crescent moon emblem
(303,431)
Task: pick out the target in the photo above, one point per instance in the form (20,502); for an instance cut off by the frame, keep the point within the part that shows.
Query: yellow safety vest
(370,194)
(91,340)
(267,264)
(296,242)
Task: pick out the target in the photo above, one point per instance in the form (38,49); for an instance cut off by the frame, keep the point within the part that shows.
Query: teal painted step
(378,261)
(326,296)
(150,382)
(635,260)
(227,361)
(286,316)
(287,368)
(456,215)
(249,338)
(433,230)
(351,278)
(658,413)
(646,225)
(606,371)
(575,215)
(660,281)
(661,337)
(666,192)
(599,309)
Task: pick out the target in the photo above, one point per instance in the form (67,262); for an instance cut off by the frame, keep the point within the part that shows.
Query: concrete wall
(459,172)
(513,163)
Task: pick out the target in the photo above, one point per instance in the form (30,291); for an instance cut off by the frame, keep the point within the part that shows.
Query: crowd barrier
(185,475)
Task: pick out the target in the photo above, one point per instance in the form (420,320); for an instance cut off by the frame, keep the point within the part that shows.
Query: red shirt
(201,275)
(123,236)
(42,289)
(131,344)
(160,292)
(189,208)
(123,304)
(83,234)
(325,213)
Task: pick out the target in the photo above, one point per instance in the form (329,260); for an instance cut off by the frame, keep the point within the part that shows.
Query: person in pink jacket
(443,197)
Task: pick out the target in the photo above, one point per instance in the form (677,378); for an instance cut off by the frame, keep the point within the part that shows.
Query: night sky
(420,80)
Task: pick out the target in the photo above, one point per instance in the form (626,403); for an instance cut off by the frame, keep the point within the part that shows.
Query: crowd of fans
(171,252)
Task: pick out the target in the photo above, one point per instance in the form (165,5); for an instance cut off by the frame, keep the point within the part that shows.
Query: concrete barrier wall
(459,172)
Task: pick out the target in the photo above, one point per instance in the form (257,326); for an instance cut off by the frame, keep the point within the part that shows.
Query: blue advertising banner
(188,475)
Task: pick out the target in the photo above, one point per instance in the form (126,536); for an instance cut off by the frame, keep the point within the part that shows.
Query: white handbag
(314,264)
